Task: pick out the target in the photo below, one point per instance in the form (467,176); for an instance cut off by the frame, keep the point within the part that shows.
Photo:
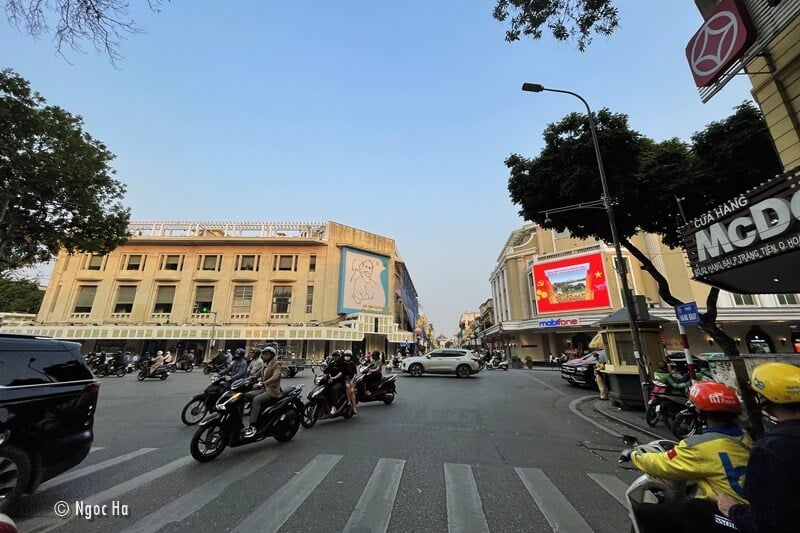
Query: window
(744,299)
(171,262)
(247,262)
(204,296)
(309,298)
(85,299)
(312,263)
(209,262)
(242,299)
(94,262)
(134,262)
(164,298)
(286,263)
(787,299)
(281,299)
(125,296)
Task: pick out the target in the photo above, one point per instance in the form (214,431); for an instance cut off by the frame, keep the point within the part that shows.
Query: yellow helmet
(777,382)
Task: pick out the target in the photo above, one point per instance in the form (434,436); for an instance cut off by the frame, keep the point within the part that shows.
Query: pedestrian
(770,483)
(552,360)
(599,378)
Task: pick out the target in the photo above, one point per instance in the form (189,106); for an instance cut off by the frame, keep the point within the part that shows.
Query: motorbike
(210,367)
(144,371)
(396,362)
(317,407)
(110,367)
(223,428)
(384,391)
(687,422)
(650,490)
(184,364)
(201,404)
(496,364)
(664,401)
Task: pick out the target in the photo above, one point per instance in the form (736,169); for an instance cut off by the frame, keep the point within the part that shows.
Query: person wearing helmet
(337,372)
(771,482)
(256,364)
(158,361)
(349,368)
(374,373)
(716,459)
(267,390)
(237,369)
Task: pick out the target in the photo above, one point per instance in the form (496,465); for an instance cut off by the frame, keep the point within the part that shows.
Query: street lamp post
(210,343)
(608,204)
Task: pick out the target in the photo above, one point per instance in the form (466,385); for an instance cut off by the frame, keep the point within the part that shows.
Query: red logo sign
(720,41)
(570,284)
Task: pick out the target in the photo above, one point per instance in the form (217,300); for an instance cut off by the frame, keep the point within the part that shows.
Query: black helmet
(336,353)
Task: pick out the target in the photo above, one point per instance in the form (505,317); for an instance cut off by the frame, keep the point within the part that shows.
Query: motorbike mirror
(628,440)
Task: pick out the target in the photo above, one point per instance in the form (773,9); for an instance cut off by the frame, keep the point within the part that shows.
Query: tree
(566,19)
(20,296)
(56,185)
(646,178)
(103,22)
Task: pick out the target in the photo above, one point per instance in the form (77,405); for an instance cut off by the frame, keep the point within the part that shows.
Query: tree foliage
(566,19)
(646,180)
(70,22)
(20,296)
(56,185)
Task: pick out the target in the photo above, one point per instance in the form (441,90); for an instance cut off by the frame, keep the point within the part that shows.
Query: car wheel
(15,476)
(415,370)
(462,371)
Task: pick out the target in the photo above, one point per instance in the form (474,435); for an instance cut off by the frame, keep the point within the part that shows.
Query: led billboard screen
(571,284)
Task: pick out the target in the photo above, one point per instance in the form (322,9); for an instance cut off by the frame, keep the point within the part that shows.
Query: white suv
(462,363)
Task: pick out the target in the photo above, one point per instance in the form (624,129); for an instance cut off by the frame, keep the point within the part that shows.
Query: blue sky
(394,117)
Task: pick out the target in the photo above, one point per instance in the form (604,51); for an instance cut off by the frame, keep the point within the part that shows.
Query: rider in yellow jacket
(716,460)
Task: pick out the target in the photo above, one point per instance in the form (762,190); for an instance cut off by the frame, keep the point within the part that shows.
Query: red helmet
(713,396)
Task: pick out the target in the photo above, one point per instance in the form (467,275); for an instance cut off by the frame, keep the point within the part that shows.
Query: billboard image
(571,284)
(363,282)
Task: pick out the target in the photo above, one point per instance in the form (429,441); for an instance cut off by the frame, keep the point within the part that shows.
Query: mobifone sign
(761,227)
(722,39)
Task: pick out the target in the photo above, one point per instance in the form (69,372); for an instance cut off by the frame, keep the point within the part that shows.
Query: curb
(629,424)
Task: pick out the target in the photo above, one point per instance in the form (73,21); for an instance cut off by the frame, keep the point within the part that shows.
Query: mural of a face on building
(362,282)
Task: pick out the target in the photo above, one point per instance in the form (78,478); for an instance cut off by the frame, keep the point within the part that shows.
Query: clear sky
(393,117)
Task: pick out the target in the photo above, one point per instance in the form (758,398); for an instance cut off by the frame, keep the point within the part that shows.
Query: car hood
(578,362)
(416,359)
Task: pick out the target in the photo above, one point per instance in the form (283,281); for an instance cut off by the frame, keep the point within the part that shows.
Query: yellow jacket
(716,459)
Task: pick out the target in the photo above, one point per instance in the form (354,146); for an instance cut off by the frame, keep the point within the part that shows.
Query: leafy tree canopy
(566,19)
(56,185)
(20,296)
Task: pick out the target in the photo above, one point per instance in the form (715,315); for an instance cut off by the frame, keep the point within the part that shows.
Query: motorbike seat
(288,391)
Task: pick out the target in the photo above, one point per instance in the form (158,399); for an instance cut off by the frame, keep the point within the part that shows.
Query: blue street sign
(688,314)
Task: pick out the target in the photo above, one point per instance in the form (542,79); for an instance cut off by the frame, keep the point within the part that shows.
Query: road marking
(109,494)
(573,407)
(464,509)
(271,514)
(74,474)
(560,514)
(612,485)
(374,508)
(191,502)
(97,448)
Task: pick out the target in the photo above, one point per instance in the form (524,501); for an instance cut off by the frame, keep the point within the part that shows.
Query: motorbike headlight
(222,403)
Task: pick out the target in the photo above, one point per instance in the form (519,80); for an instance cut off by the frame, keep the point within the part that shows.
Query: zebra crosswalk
(376,510)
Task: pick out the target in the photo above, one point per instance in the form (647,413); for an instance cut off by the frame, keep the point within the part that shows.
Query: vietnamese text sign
(688,314)
(571,284)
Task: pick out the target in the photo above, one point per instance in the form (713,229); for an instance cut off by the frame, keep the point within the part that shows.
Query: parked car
(462,363)
(580,371)
(48,398)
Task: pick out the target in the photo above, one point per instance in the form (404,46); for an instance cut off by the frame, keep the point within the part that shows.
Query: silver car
(463,363)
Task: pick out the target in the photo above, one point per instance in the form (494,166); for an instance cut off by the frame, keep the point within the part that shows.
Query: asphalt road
(500,451)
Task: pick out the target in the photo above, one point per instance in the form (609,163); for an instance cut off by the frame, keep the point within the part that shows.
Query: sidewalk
(632,419)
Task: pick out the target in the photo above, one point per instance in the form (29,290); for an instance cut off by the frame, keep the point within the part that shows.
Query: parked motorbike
(223,428)
(201,404)
(687,422)
(650,490)
(384,391)
(496,364)
(210,367)
(664,402)
(317,407)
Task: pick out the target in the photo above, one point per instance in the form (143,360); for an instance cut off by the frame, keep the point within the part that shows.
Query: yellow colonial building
(203,286)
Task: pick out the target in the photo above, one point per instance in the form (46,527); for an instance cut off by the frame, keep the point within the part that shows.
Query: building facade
(203,286)
(550,290)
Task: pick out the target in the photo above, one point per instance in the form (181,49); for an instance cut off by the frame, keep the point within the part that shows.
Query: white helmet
(159,352)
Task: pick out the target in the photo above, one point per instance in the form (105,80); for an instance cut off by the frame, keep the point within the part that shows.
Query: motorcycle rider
(771,483)
(219,360)
(256,364)
(715,459)
(267,390)
(336,371)
(350,371)
(158,362)
(238,369)
(374,373)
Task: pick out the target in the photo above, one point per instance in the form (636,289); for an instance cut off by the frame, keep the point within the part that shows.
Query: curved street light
(627,299)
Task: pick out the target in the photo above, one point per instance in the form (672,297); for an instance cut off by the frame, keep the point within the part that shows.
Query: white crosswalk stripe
(373,512)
